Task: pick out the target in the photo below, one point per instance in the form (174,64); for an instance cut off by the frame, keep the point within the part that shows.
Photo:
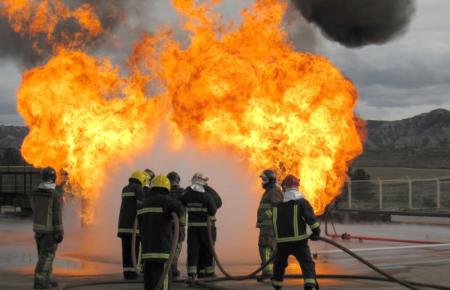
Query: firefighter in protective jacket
(47,225)
(132,196)
(271,196)
(155,223)
(199,205)
(290,218)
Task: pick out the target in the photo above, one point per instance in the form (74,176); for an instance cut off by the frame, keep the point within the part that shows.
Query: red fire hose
(348,236)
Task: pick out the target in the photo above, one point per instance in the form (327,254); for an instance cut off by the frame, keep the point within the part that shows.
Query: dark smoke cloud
(20,47)
(356,23)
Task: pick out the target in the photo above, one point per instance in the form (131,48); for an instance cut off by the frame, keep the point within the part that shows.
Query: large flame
(248,89)
(242,87)
(81,115)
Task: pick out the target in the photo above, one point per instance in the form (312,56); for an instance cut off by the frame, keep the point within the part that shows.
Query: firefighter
(207,264)
(199,205)
(271,196)
(176,192)
(46,203)
(132,196)
(155,223)
(290,218)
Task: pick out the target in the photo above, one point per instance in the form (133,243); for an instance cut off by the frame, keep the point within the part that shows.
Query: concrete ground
(426,264)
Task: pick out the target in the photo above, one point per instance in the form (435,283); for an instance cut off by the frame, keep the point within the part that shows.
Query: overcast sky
(405,77)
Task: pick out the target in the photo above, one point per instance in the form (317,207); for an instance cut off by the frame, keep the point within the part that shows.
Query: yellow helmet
(160,181)
(141,176)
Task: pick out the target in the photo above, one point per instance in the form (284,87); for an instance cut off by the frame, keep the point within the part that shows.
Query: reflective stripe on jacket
(155,224)
(132,196)
(290,220)
(270,198)
(47,211)
(198,206)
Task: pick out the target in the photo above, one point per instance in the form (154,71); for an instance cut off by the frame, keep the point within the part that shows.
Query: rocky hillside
(426,131)
(422,141)
(12,136)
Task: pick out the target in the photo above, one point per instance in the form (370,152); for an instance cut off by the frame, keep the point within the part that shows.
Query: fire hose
(347,236)
(207,283)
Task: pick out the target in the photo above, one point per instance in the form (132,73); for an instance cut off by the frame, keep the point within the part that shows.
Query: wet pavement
(421,263)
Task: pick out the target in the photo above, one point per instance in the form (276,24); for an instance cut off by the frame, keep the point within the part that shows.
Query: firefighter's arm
(216,196)
(176,207)
(310,218)
(210,205)
(57,216)
(139,196)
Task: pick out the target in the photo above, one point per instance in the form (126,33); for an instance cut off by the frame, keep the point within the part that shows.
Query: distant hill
(422,141)
(12,136)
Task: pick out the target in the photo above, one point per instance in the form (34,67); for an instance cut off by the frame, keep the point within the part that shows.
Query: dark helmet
(268,177)
(290,181)
(150,173)
(174,178)
(48,174)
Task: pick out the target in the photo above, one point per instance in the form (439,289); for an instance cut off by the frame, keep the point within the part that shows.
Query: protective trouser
(207,265)
(197,246)
(152,274)
(266,244)
(46,246)
(129,272)
(302,253)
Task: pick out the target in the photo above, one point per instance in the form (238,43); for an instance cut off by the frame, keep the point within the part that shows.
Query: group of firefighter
(149,202)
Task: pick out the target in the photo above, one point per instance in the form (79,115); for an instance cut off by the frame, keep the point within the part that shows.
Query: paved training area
(421,263)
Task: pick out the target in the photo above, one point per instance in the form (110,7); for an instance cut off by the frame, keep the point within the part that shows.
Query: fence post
(349,190)
(409,192)
(380,191)
(438,193)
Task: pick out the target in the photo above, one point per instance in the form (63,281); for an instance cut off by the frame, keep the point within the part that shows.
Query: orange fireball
(81,115)
(247,89)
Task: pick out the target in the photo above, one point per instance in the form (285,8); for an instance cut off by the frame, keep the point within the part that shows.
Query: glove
(315,234)
(59,238)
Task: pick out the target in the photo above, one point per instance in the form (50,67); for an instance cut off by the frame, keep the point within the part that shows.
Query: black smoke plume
(20,46)
(356,23)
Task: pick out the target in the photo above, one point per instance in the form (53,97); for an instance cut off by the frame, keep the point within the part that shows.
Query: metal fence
(16,183)
(397,194)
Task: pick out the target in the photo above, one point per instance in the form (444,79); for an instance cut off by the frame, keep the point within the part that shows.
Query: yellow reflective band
(192,270)
(291,239)
(274,221)
(198,224)
(197,209)
(310,281)
(265,206)
(166,282)
(183,221)
(209,270)
(150,210)
(155,255)
(295,221)
(277,283)
(265,223)
(194,204)
(213,218)
(127,231)
(129,269)
(38,227)
(128,194)
(314,225)
(268,213)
